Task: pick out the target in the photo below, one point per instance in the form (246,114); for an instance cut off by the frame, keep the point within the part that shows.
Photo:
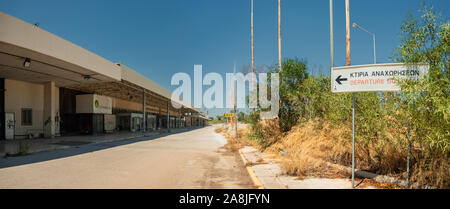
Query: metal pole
(331,35)
(409,150)
(279,33)
(253,58)
(347,13)
(374,51)
(235,103)
(353,140)
(373,37)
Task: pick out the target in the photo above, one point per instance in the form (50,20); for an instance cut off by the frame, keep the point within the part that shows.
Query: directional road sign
(229,115)
(378,77)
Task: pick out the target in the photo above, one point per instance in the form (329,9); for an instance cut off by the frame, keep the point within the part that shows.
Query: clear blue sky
(161,38)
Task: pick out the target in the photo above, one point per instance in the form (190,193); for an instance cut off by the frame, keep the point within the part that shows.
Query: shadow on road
(77,149)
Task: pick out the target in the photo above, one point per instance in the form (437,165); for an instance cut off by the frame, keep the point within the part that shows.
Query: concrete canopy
(52,58)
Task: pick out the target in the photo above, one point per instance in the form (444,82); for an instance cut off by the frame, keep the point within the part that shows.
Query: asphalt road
(194,159)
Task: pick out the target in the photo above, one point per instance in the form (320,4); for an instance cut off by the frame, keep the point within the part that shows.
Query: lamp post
(253,57)
(373,36)
(331,36)
(279,36)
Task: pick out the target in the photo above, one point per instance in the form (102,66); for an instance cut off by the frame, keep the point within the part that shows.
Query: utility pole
(235,103)
(347,14)
(279,45)
(279,34)
(347,29)
(331,35)
(253,58)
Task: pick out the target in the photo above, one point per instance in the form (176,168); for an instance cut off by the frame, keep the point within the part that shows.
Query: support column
(49,109)
(168,118)
(179,119)
(143,111)
(2,109)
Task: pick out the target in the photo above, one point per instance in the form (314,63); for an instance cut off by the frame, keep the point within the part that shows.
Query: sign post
(368,78)
(347,34)
(374,78)
(409,151)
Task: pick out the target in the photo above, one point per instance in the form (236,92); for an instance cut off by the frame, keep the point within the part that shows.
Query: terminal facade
(50,87)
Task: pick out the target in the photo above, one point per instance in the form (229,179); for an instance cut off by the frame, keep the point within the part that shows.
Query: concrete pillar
(2,110)
(143,111)
(179,119)
(168,118)
(49,109)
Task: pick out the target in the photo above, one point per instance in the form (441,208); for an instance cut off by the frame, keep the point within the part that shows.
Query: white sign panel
(92,103)
(102,104)
(378,77)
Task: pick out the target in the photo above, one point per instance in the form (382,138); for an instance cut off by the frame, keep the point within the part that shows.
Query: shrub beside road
(313,122)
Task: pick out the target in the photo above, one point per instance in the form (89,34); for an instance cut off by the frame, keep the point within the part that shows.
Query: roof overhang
(132,76)
(52,58)
(68,65)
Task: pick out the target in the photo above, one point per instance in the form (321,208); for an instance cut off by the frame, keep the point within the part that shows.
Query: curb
(251,172)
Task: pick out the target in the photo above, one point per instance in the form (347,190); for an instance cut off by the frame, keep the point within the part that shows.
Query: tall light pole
(373,36)
(347,18)
(253,59)
(235,105)
(279,34)
(331,35)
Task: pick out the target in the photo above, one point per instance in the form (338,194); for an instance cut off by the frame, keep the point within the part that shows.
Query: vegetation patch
(314,123)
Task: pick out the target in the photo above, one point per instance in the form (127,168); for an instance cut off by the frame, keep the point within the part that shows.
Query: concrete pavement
(194,159)
(271,176)
(29,146)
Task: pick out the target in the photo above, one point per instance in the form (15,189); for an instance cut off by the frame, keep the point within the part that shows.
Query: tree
(426,101)
(292,77)
(427,40)
(241,116)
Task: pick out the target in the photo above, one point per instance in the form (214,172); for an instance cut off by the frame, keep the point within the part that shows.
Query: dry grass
(298,149)
(436,171)
(364,183)
(232,143)
(305,141)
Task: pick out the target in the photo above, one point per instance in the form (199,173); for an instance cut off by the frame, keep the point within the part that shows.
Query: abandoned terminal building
(51,87)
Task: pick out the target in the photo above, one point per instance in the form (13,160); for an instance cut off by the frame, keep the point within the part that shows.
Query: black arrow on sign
(339,79)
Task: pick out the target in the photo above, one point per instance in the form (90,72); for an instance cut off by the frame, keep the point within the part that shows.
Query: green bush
(382,118)
(427,40)
(292,76)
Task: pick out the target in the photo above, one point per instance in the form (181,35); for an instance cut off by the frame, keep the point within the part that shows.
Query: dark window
(27,117)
